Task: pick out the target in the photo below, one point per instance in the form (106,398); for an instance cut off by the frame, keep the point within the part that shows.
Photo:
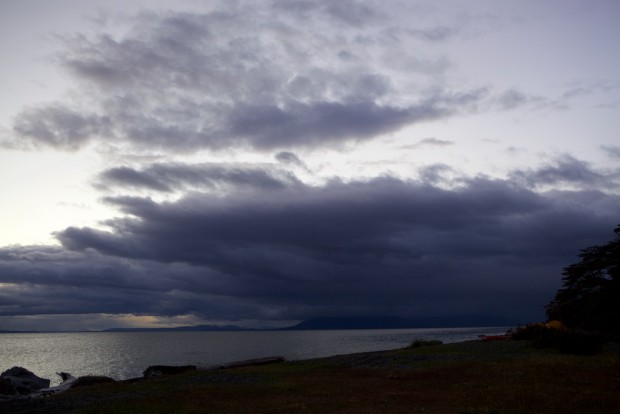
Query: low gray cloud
(431,142)
(436,174)
(59,126)
(318,124)
(287,157)
(567,171)
(182,177)
(350,12)
(129,177)
(612,150)
(513,98)
(584,88)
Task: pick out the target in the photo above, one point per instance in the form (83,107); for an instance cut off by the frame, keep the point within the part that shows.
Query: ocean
(124,355)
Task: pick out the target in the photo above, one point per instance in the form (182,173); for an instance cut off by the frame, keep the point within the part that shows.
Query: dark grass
(469,377)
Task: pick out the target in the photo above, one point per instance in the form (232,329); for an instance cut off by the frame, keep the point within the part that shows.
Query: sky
(264,162)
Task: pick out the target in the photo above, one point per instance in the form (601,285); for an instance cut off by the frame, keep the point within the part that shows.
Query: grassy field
(468,377)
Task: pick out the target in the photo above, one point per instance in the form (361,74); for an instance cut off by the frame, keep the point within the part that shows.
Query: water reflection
(123,355)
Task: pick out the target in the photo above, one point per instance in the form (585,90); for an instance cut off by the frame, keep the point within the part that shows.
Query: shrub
(590,293)
(571,342)
(529,332)
(554,336)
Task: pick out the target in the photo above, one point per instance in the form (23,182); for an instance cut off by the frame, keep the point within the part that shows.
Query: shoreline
(125,355)
(351,359)
(469,376)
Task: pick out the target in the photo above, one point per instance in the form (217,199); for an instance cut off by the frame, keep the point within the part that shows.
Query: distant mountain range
(196,328)
(6,331)
(388,322)
(333,323)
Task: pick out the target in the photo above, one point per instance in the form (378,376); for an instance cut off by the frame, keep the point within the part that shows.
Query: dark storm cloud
(385,245)
(40,280)
(339,221)
(177,177)
(43,279)
(285,76)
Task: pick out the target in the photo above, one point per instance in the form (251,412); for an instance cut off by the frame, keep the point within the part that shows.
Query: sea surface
(123,355)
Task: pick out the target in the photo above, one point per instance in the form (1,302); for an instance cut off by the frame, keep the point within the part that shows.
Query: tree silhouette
(590,295)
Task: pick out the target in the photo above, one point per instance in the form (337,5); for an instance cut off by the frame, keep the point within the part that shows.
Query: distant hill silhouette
(333,323)
(195,328)
(388,322)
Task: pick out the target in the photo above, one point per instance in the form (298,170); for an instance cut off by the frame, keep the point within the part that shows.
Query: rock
(24,381)
(6,388)
(16,372)
(159,370)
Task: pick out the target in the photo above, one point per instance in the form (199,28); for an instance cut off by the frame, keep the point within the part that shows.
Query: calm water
(126,355)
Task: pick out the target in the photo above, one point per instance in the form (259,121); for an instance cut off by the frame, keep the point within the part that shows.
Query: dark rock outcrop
(23,381)
(159,370)
(6,388)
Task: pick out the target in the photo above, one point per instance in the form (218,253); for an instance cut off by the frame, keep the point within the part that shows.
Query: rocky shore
(19,384)
(469,377)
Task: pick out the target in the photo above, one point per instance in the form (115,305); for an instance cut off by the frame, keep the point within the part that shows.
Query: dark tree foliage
(590,295)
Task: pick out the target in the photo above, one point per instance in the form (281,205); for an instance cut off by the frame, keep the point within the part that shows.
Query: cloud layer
(177,102)
(258,76)
(384,246)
